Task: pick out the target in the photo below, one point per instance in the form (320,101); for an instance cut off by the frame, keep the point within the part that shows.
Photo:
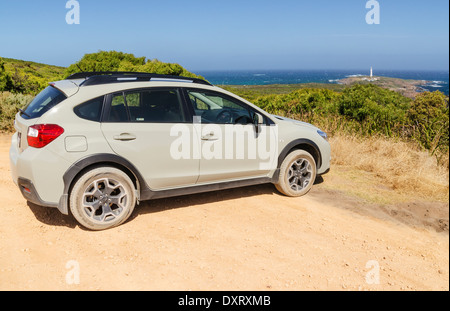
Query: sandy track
(244,239)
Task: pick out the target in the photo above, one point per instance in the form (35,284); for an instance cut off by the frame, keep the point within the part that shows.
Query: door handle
(210,137)
(124,137)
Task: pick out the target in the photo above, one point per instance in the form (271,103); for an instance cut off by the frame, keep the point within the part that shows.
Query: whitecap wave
(355,76)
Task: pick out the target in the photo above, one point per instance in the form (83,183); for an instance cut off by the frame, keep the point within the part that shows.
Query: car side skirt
(149,194)
(144,193)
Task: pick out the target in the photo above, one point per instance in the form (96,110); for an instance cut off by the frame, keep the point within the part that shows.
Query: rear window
(46,100)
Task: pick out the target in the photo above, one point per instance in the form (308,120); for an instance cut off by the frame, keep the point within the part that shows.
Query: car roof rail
(105,77)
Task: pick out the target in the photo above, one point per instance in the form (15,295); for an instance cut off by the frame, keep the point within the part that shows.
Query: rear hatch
(21,125)
(43,102)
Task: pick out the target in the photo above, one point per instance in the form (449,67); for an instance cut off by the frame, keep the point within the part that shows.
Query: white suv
(97,144)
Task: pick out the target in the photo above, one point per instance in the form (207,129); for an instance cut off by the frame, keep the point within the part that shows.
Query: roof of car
(107,77)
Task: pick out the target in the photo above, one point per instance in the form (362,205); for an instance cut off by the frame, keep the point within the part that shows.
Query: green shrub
(18,76)
(429,115)
(118,61)
(369,110)
(9,107)
(5,78)
(378,110)
(26,77)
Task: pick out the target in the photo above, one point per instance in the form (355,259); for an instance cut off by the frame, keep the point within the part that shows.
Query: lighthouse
(371,73)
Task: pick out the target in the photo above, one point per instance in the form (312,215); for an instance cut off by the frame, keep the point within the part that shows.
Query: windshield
(46,100)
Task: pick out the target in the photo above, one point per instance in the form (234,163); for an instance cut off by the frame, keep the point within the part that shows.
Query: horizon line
(261,69)
(318,69)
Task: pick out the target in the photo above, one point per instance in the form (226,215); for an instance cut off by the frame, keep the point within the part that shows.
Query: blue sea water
(435,80)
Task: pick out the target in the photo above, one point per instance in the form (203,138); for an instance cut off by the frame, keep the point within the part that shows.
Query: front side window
(43,102)
(216,108)
(147,106)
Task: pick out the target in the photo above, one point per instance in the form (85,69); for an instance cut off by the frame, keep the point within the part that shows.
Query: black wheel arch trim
(92,160)
(312,146)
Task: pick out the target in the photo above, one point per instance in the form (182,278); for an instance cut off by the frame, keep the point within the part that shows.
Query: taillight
(41,135)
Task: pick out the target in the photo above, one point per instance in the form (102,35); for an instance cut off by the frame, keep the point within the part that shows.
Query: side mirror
(257,121)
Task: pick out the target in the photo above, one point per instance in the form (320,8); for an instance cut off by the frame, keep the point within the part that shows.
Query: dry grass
(396,165)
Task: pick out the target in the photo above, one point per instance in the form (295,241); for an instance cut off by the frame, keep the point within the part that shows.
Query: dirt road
(244,239)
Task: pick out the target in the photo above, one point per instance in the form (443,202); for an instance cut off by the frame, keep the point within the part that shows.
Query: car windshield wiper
(23,112)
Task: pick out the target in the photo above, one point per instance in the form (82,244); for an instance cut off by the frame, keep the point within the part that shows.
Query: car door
(141,126)
(231,146)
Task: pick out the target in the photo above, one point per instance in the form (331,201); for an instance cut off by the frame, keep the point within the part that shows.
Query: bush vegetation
(17,76)
(369,110)
(118,61)
(9,106)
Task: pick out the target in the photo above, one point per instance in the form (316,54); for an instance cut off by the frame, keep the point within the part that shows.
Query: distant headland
(408,88)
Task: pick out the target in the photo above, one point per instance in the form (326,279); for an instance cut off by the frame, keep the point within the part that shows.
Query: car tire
(102,198)
(297,174)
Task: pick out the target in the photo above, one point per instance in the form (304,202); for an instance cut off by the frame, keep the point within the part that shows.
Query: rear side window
(46,100)
(147,106)
(118,111)
(91,110)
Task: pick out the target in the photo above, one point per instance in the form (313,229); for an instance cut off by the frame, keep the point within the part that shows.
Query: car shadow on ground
(161,205)
(53,217)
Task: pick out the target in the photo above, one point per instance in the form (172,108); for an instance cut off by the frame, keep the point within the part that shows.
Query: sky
(234,35)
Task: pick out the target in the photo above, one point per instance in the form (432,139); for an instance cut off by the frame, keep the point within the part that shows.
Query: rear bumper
(30,193)
(37,174)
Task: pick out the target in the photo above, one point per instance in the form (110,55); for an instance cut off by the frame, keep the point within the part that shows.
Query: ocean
(437,80)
